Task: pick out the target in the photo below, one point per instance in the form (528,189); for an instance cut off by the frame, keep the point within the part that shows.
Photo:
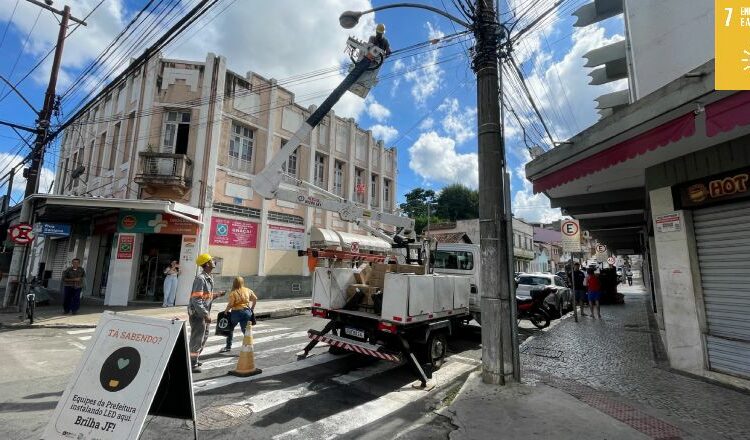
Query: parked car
(558,302)
(564,276)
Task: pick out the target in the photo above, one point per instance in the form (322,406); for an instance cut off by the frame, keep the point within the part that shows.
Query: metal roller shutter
(722,235)
(59,257)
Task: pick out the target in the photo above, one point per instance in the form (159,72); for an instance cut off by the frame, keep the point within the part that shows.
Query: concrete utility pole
(499,338)
(40,145)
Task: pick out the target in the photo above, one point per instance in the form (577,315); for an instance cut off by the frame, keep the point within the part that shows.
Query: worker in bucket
(199,308)
(379,39)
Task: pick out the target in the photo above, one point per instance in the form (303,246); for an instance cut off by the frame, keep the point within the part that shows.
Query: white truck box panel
(461,292)
(444,287)
(395,297)
(421,294)
(329,286)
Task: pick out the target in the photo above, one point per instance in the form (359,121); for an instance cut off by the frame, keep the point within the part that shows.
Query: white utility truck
(394,312)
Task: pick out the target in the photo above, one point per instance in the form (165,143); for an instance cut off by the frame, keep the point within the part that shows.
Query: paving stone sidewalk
(610,365)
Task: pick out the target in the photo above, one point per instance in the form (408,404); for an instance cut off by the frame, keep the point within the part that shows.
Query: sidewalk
(88,315)
(599,380)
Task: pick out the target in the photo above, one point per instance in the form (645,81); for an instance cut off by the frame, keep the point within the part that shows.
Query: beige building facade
(196,133)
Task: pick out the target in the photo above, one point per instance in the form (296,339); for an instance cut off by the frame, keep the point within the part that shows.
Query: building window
(359,185)
(129,127)
(241,148)
(320,171)
(374,190)
(386,191)
(115,146)
(338,178)
(176,133)
(290,166)
(100,154)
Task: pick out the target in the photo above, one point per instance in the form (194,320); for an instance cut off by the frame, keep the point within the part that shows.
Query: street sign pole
(571,242)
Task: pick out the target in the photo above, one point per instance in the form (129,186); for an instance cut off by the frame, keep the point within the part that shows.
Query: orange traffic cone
(246,362)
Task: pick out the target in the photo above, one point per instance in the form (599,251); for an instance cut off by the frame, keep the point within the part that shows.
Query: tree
(458,202)
(416,202)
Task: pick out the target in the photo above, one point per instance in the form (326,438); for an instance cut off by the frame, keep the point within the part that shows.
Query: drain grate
(222,417)
(542,352)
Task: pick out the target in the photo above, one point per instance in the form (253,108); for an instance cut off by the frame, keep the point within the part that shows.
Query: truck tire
(436,349)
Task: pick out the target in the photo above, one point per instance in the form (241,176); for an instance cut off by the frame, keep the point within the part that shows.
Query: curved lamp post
(349,19)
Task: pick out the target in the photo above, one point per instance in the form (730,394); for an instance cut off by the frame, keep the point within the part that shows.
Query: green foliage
(458,202)
(416,202)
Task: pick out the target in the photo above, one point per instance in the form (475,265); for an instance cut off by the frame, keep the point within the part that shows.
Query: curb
(273,314)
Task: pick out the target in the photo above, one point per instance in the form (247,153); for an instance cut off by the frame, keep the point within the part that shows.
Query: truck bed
(409,320)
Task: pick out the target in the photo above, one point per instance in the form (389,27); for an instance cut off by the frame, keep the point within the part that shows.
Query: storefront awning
(48,207)
(328,238)
(727,114)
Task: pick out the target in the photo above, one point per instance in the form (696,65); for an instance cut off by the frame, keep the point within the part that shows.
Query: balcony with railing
(164,170)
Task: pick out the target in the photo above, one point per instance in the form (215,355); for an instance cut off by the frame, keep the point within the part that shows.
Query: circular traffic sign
(569,228)
(601,248)
(22,233)
(611,260)
(355,247)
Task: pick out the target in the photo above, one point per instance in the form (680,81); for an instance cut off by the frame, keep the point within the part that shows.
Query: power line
(23,47)
(7,25)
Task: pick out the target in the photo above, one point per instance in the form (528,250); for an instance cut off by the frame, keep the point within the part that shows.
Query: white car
(562,300)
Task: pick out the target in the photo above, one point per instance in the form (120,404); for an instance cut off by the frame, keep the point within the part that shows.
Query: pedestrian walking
(199,309)
(72,280)
(170,283)
(578,278)
(629,274)
(594,293)
(240,307)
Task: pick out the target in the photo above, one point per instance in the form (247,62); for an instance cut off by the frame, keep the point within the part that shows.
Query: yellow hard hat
(380,28)
(203,259)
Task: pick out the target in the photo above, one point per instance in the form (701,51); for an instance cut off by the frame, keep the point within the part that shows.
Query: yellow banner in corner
(732,44)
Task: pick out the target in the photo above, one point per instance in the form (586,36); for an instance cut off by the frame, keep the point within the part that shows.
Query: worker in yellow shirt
(240,309)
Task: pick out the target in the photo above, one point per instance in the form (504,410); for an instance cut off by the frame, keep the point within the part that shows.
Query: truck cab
(465,260)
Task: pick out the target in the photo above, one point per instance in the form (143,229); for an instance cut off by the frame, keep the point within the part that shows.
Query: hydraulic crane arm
(267,183)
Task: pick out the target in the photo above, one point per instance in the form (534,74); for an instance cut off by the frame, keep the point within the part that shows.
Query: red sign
(21,233)
(236,233)
(125,245)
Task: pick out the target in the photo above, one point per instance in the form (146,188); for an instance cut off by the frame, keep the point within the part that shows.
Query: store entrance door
(157,252)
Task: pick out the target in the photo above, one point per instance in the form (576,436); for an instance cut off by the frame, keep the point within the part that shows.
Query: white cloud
(423,72)
(527,205)
(384,132)
(460,124)
(19,182)
(426,124)
(434,158)
(377,111)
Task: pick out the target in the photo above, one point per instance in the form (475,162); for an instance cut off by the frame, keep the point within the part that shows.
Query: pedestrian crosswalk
(367,392)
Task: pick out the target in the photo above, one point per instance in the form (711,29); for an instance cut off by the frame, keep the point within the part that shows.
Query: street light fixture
(349,19)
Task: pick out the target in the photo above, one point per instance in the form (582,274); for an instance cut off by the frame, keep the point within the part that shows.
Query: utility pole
(40,144)
(499,338)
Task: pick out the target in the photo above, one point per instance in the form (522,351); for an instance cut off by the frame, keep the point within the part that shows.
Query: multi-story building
(195,133)
(665,176)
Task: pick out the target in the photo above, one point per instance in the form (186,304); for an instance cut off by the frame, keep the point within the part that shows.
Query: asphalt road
(318,397)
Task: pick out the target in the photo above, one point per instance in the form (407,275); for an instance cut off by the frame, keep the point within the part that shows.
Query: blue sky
(424,105)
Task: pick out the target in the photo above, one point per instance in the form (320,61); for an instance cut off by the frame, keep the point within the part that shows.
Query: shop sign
(236,233)
(52,229)
(154,223)
(125,244)
(713,190)
(134,366)
(668,222)
(284,238)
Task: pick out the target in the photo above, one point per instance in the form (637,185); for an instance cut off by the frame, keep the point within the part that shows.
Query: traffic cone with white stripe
(246,362)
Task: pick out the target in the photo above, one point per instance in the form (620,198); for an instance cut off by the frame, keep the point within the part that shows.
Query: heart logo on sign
(120,369)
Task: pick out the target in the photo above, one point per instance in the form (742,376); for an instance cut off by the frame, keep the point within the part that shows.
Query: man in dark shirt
(577,279)
(379,39)
(72,280)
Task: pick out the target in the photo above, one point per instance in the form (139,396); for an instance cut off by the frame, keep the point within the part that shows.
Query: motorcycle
(533,308)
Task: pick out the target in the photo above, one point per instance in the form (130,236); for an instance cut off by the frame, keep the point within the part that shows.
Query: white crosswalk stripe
(238,333)
(354,418)
(81,331)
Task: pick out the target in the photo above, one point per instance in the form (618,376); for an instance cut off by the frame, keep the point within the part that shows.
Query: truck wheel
(436,349)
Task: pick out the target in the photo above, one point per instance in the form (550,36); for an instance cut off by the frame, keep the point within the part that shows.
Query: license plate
(357,333)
